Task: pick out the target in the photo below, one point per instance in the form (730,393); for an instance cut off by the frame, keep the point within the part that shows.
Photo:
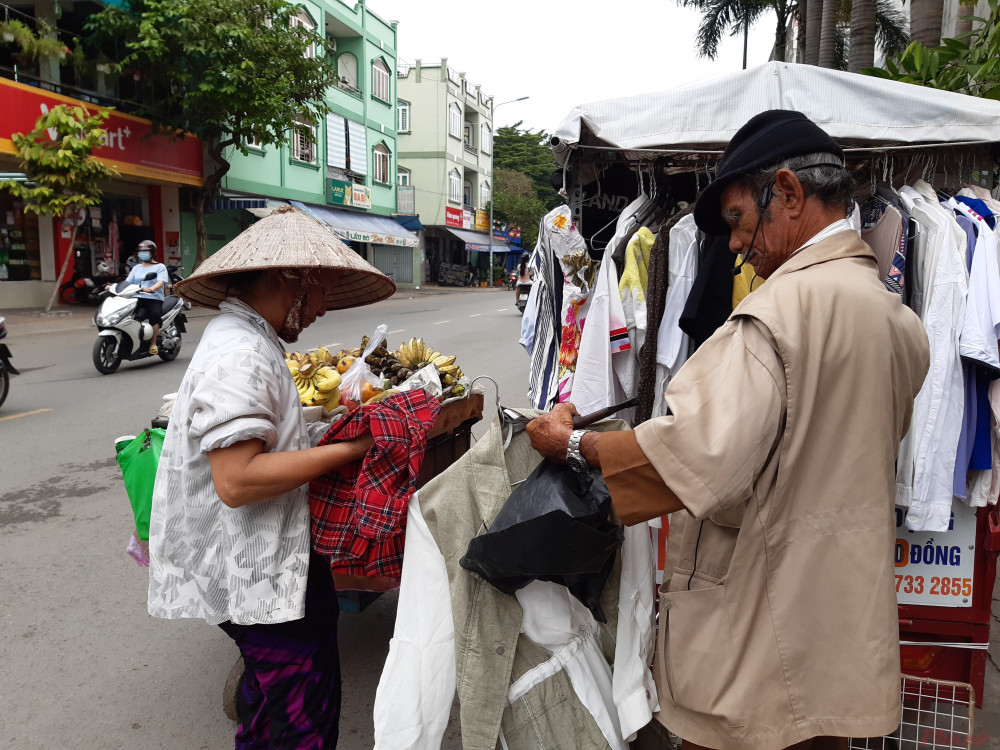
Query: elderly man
(778,624)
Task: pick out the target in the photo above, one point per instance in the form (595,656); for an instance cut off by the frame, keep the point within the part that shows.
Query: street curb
(63,318)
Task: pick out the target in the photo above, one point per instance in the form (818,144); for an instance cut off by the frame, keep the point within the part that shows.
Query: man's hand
(550,432)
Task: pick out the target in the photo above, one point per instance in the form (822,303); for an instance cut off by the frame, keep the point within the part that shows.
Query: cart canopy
(854,109)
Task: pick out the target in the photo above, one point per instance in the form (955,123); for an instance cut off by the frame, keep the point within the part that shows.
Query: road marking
(330,346)
(440,322)
(475,315)
(401,330)
(503,309)
(25,414)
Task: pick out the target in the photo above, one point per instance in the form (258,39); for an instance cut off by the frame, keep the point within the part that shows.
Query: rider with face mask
(150,300)
(229,536)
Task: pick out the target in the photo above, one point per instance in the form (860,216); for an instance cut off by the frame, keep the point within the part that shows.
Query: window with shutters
(486,139)
(380,81)
(403,117)
(403,177)
(484,194)
(301,20)
(304,140)
(455,121)
(380,164)
(455,186)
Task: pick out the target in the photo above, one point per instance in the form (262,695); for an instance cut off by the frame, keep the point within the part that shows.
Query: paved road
(83,666)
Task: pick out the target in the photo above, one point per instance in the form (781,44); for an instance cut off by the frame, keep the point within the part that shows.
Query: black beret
(765,140)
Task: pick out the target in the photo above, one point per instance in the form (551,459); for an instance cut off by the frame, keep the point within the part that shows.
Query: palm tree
(862,51)
(830,17)
(736,17)
(925,21)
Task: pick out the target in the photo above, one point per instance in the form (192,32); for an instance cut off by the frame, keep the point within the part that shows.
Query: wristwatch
(575,459)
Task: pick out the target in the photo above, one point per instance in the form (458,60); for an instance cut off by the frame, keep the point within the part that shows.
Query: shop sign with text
(350,194)
(936,568)
(482,220)
(452,217)
(467,219)
(129,143)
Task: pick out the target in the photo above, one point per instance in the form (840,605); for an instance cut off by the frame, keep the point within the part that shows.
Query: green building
(342,170)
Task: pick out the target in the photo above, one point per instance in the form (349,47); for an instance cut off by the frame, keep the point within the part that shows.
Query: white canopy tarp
(852,108)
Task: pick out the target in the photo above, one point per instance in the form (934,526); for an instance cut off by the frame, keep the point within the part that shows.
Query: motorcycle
(512,280)
(123,336)
(6,368)
(523,290)
(86,289)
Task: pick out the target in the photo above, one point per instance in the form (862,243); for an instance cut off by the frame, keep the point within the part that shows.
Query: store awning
(478,241)
(349,225)
(270,205)
(409,222)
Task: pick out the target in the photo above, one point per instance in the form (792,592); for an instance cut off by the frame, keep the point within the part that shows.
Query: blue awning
(478,241)
(409,222)
(351,225)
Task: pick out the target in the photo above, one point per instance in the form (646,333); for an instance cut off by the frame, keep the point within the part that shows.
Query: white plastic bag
(426,377)
(358,374)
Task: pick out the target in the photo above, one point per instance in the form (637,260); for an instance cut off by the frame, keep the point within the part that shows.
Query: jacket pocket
(699,667)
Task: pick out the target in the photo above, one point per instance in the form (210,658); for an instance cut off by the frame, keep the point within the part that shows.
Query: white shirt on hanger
(925,480)
(417,687)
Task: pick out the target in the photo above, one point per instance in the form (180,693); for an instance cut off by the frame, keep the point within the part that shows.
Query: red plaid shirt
(359,510)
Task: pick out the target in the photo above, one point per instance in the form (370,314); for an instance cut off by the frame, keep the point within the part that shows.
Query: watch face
(578,463)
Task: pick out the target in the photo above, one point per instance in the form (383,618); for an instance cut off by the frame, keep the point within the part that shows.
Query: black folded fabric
(554,527)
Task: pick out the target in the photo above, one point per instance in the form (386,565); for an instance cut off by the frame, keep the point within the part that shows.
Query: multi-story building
(342,170)
(445,134)
(142,203)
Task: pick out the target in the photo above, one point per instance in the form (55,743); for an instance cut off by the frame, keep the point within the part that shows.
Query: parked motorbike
(523,290)
(6,368)
(86,289)
(122,335)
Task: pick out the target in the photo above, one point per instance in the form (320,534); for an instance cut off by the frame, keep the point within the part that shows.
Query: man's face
(770,247)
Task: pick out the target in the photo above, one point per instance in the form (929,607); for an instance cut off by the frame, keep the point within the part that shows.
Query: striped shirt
(247,565)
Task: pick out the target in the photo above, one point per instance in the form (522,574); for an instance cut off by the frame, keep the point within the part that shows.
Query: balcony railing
(469,146)
(85,95)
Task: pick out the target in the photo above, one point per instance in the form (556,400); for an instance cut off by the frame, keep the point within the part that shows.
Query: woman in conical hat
(229,535)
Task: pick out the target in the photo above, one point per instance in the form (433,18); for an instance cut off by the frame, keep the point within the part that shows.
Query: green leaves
(57,156)
(968,64)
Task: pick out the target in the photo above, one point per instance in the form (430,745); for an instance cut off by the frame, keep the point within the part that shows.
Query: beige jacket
(781,443)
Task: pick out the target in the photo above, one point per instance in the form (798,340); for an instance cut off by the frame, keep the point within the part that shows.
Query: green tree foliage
(732,17)
(969,64)
(63,174)
(227,71)
(517,202)
(529,153)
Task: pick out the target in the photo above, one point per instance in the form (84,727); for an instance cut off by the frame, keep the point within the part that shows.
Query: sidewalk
(29,321)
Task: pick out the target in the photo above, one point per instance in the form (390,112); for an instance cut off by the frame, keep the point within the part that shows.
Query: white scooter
(122,336)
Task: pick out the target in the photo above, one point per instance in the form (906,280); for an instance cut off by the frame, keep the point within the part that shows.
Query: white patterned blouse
(207,560)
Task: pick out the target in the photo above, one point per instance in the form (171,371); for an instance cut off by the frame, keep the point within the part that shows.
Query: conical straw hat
(288,238)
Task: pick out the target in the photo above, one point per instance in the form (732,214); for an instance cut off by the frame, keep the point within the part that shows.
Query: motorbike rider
(525,274)
(150,300)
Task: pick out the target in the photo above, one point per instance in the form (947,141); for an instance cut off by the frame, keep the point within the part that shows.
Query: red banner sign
(453,217)
(127,145)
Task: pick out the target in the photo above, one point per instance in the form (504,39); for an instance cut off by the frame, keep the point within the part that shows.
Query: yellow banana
(308,393)
(334,401)
(443,360)
(294,369)
(320,398)
(328,383)
(323,354)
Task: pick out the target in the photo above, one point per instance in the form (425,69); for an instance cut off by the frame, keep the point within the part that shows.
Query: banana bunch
(414,354)
(317,381)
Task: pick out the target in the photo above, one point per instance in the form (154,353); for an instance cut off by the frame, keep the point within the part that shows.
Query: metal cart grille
(937,714)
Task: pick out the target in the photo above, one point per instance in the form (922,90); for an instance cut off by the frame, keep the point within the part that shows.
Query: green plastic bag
(138,458)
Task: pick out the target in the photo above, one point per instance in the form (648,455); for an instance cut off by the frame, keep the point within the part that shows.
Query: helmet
(147,245)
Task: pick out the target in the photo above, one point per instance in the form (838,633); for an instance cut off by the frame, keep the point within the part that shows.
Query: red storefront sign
(126,147)
(453,217)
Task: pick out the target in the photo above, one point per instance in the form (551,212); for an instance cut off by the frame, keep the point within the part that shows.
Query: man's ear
(788,190)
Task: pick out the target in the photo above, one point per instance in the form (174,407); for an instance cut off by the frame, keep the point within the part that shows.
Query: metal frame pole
(493,124)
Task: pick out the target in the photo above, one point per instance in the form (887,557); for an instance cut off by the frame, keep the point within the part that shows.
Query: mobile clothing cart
(610,151)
